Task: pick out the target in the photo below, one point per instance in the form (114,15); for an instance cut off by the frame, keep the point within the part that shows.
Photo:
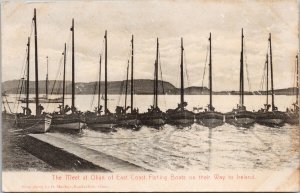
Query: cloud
(147,20)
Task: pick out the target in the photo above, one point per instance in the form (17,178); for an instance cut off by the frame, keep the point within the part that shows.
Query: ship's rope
(20,83)
(23,70)
(57,85)
(263,78)
(58,73)
(247,71)
(204,71)
(161,77)
(8,104)
(97,82)
(94,93)
(186,69)
(122,86)
(295,78)
(121,89)
(68,59)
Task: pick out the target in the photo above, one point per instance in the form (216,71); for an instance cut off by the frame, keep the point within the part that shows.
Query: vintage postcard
(171,95)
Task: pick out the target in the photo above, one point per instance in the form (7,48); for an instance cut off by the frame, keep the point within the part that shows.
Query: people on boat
(121,110)
(63,110)
(26,111)
(135,111)
(40,109)
(211,108)
(98,110)
(107,112)
(152,109)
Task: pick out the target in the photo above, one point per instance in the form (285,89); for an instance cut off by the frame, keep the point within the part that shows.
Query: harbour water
(195,147)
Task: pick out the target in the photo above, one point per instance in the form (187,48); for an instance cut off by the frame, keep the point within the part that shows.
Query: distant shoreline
(141,87)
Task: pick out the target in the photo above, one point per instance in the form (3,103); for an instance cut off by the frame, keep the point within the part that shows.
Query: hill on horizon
(141,86)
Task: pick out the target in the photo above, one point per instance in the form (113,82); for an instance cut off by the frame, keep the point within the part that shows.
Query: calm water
(195,147)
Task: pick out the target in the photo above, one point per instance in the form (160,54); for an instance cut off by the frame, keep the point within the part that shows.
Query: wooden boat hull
(128,120)
(292,118)
(181,118)
(210,119)
(102,122)
(272,119)
(33,124)
(153,119)
(240,118)
(9,118)
(67,122)
(76,125)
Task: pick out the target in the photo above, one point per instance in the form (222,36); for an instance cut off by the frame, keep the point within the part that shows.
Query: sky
(168,20)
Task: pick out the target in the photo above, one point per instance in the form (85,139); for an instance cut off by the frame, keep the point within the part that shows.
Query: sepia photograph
(170,95)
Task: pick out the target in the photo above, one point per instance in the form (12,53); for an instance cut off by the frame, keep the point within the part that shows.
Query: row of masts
(155,101)
(178,116)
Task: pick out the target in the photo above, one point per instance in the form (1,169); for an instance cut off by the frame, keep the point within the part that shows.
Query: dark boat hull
(101,122)
(292,118)
(210,119)
(272,118)
(181,118)
(128,120)
(9,118)
(240,118)
(155,119)
(67,122)
(34,124)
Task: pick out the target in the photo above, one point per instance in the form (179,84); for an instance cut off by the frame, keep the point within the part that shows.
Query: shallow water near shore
(197,147)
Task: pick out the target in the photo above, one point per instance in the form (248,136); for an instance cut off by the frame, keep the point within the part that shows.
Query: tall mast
(156,75)
(64,77)
(126,87)
(36,66)
(267,63)
(181,75)
(242,72)
(131,93)
(47,80)
(105,76)
(297,76)
(271,65)
(210,74)
(28,67)
(73,69)
(99,84)
(154,84)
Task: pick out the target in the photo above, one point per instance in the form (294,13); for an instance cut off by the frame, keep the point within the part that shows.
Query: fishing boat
(180,116)
(210,118)
(154,117)
(96,120)
(292,114)
(265,116)
(74,121)
(7,115)
(44,98)
(240,116)
(131,119)
(38,123)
